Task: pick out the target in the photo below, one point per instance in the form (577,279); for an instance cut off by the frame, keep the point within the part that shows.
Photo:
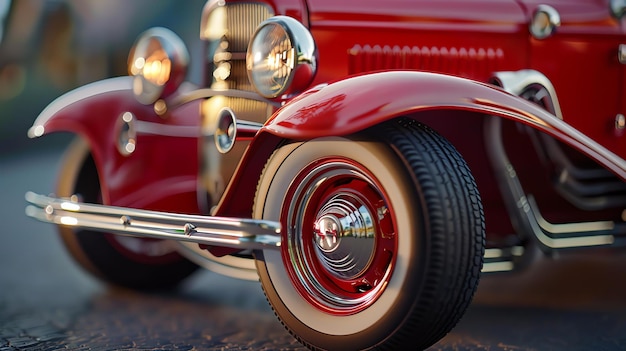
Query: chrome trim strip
(237,233)
(151,128)
(516,82)
(78,94)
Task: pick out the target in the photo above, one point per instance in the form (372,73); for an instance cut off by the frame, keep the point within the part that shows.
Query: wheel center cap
(327,231)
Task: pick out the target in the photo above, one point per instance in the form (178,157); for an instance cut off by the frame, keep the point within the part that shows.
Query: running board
(236,233)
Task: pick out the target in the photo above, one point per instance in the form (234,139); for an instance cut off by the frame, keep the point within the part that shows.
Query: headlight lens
(158,61)
(281,58)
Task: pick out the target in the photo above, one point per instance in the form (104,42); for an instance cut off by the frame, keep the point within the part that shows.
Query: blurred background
(48,47)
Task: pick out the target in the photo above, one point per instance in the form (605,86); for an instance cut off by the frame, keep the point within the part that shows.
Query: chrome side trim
(519,82)
(215,231)
(151,128)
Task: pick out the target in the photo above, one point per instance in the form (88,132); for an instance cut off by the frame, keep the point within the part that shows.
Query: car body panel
(437,36)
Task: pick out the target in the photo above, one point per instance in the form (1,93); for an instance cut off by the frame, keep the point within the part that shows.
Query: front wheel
(383,237)
(136,263)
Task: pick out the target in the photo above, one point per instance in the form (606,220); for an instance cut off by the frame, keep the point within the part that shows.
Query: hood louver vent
(466,62)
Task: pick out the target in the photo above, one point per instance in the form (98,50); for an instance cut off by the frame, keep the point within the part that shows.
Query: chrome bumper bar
(214,231)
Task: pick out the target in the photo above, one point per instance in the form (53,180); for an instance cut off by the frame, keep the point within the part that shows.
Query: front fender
(75,111)
(160,173)
(354,104)
(357,103)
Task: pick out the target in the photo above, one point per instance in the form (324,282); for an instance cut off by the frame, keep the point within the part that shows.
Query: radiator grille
(242,20)
(227,67)
(229,55)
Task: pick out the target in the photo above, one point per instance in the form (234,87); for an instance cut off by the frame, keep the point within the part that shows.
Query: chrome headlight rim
(298,58)
(158,61)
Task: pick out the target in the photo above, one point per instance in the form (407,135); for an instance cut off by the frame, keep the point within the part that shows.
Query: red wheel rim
(340,240)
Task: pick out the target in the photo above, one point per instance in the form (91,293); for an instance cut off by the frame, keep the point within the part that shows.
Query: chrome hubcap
(340,238)
(344,235)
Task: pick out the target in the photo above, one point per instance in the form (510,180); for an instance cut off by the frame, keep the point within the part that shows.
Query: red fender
(360,102)
(161,173)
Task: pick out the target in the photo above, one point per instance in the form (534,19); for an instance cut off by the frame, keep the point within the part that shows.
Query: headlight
(281,58)
(158,61)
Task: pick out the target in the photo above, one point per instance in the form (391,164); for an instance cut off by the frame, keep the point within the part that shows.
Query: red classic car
(365,160)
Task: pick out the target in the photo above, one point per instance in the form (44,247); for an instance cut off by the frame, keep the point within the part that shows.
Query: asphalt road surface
(576,302)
